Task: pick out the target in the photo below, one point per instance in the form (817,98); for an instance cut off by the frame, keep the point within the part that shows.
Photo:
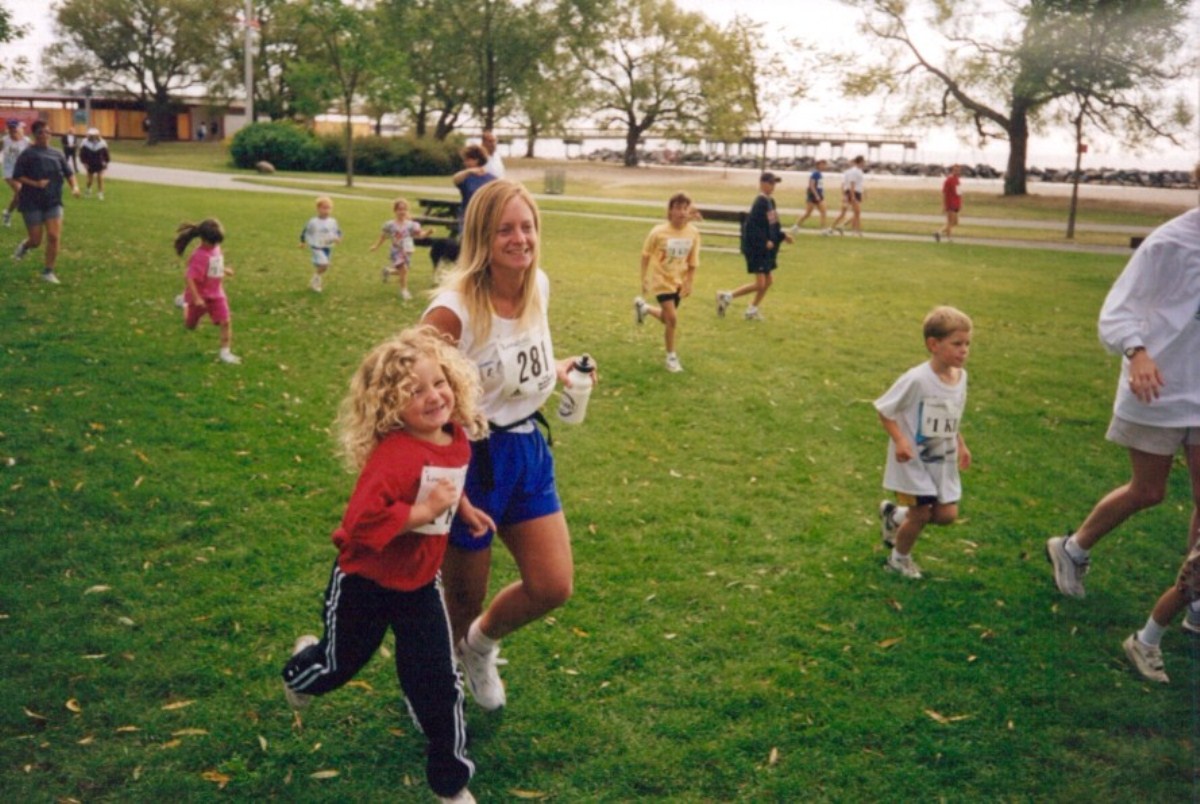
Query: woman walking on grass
(493,307)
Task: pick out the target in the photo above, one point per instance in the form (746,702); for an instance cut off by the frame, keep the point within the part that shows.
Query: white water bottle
(572,403)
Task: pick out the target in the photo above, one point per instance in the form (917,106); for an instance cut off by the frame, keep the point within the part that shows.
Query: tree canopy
(1002,80)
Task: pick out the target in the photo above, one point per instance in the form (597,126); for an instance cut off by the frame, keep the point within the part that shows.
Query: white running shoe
(724,299)
(461,797)
(1147,659)
(180,301)
(100,196)
(316,283)
(1068,575)
(19,254)
(639,309)
(50,276)
(299,700)
(8,217)
(826,232)
(482,677)
(752,314)
(795,229)
(903,565)
(227,356)
(887,522)
(405,294)
(673,364)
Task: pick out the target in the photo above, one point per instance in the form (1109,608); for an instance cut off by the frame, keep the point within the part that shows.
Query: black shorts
(813,198)
(670,297)
(760,263)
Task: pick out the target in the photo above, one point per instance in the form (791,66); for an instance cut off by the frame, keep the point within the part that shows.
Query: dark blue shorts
(761,263)
(521,488)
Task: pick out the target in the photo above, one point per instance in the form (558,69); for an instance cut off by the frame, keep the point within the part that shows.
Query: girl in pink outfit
(205,271)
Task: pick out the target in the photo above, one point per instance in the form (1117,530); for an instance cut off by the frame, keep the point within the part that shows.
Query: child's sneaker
(316,283)
(639,309)
(226,356)
(299,700)
(673,364)
(19,254)
(1068,575)
(1146,658)
(405,294)
(752,314)
(887,522)
(903,565)
(180,301)
(100,196)
(384,273)
(50,276)
(482,677)
(8,217)
(795,229)
(724,299)
(461,797)
(826,232)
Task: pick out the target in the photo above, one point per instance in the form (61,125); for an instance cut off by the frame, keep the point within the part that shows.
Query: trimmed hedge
(289,146)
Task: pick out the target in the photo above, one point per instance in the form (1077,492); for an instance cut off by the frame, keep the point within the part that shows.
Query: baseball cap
(768,176)
(93,132)
(14,123)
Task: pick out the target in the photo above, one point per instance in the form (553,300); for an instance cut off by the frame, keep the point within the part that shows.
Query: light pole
(249,43)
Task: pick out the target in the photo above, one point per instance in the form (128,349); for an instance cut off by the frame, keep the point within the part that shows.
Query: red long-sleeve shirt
(371,541)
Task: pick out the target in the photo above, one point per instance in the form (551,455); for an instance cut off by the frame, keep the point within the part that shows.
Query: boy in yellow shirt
(673,250)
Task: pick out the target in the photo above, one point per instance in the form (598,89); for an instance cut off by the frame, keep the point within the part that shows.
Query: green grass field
(165,527)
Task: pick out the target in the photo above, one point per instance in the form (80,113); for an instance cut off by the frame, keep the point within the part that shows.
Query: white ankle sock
(1151,633)
(899,515)
(478,640)
(1077,553)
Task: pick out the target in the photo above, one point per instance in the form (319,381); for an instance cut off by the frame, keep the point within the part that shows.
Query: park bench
(439,212)
(719,215)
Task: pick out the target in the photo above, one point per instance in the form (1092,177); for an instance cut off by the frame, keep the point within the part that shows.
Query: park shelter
(116,117)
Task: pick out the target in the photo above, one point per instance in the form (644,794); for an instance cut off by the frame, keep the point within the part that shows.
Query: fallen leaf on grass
(221,779)
(895,604)
(73,706)
(177,705)
(94,656)
(395,732)
(126,622)
(773,757)
(127,729)
(943,719)
(324,774)
(86,740)
(32,715)
(887,643)
(262,743)
(98,588)
(579,632)
(171,744)
(189,733)
(362,685)
(527,794)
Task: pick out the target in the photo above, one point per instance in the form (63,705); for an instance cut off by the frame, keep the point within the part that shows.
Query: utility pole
(249,52)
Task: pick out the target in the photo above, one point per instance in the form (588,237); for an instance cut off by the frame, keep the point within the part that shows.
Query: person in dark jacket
(761,237)
(94,154)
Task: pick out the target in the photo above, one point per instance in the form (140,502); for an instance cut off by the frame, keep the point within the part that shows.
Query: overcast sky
(830,25)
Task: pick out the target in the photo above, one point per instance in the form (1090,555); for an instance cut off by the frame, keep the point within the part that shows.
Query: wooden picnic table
(440,207)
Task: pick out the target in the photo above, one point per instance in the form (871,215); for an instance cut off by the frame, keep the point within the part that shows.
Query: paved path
(177,177)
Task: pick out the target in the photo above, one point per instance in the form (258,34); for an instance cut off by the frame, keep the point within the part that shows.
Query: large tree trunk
(632,136)
(1018,150)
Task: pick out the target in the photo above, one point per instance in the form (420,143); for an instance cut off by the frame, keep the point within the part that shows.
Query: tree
(13,69)
(643,65)
(276,52)
(148,49)
(746,87)
(340,45)
(1001,79)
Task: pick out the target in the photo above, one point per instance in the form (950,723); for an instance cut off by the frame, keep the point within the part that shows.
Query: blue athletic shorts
(522,484)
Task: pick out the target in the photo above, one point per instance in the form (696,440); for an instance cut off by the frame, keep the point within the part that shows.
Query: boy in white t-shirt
(319,236)
(921,413)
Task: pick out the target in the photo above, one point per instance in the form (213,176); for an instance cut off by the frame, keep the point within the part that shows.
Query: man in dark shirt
(41,171)
(761,238)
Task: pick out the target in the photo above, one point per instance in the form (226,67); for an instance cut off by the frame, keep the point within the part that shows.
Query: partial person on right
(1151,317)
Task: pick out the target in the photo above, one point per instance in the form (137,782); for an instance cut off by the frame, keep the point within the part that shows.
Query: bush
(285,145)
(391,156)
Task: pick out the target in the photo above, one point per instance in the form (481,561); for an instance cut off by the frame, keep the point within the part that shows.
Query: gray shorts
(1150,439)
(36,217)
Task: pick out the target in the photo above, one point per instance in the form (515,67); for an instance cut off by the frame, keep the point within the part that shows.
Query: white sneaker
(887,522)
(639,309)
(903,565)
(1147,659)
(50,276)
(482,677)
(316,283)
(673,364)
(100,196)
(461,797)
(826,232)
(19,254)
(384,273)
(1068,575)
(1191,622)
(8,217)
(752,314)
(405,294)
(795,229)
(298,700)
(227,356)
(724,299)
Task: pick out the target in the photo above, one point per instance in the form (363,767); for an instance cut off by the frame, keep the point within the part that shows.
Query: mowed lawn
(165,521)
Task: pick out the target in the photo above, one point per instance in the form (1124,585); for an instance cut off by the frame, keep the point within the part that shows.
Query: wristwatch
(1133,350)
